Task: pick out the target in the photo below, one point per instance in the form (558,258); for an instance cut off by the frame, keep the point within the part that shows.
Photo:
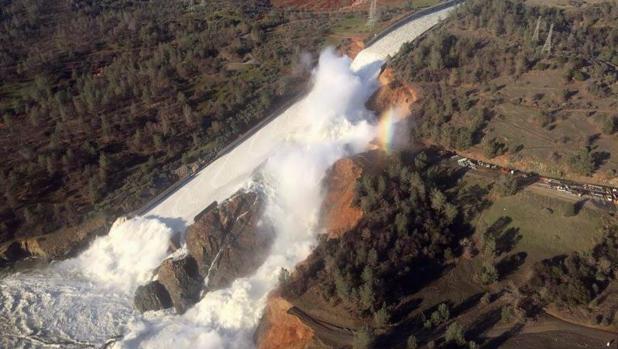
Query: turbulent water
(86,301)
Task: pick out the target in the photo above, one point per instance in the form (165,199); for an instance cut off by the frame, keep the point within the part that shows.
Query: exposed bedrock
(152,296)
(60,245)
(227,241)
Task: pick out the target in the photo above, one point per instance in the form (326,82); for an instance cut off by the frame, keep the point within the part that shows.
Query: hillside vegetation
(444,257)
(492,90)
(101,100)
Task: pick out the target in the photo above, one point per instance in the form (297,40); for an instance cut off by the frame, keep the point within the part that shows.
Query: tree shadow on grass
(510,264)
(497,342)
(579,205)
(506,240)
(484,323)
(467,304)
(600,158)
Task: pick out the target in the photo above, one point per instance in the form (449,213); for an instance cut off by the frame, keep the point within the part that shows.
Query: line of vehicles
(594,191)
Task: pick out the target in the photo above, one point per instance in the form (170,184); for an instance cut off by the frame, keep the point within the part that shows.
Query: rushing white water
(336,123)
(390,44)
(86,300)
(95,303)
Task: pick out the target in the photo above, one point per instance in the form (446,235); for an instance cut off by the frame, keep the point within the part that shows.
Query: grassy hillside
(490,89)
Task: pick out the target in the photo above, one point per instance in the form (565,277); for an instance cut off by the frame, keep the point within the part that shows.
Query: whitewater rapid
(87,300)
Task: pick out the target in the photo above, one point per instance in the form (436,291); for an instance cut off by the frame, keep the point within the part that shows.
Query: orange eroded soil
(280,330)
(393,94)
(340,213)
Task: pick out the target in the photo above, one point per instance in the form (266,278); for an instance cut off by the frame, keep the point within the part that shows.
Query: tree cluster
(101,100)
(411,226)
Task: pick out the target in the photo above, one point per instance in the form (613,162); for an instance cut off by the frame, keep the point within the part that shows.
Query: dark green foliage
(579,75)
(465,65)
(576,279)
(401,242)
(493,148)
(440,315)
(506,313)
(381,317)
(88,85)
(582,162)
(488,274)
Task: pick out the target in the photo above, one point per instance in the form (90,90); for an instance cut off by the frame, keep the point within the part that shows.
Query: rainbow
(386,129)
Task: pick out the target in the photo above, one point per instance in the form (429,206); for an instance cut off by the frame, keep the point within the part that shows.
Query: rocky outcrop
(152,296)
(182,281)
(59,245)
(392,94)
(227,241)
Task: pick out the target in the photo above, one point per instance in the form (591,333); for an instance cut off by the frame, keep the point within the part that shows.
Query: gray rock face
(226,242)
(183,282)
(152,296)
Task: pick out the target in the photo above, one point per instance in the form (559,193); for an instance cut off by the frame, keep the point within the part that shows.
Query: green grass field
(544,229)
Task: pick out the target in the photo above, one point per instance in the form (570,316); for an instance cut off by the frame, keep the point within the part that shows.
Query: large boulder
(152,296)
(228,241)
(182,281)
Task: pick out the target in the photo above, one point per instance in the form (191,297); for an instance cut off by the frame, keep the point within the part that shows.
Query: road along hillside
(228,173)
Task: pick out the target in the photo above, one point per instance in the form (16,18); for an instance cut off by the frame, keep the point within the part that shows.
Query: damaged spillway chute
(90,298)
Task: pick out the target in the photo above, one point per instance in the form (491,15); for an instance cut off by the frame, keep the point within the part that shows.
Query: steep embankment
(281,330)
(280,327)
(393,94)
(339,214)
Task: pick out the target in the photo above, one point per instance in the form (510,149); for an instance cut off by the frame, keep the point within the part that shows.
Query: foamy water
(88,299)
(85,301)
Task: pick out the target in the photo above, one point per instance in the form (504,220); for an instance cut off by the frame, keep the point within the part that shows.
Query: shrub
(507,185)
(411,343)
(488,274)
(441,315)
(493,148)
(381,317)
(582,163)
(506,314)
(363,339)
(454,333)
(579,75)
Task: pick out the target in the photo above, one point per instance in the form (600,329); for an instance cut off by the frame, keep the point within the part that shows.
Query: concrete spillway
(224,176)
(390,44)
(86,300)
